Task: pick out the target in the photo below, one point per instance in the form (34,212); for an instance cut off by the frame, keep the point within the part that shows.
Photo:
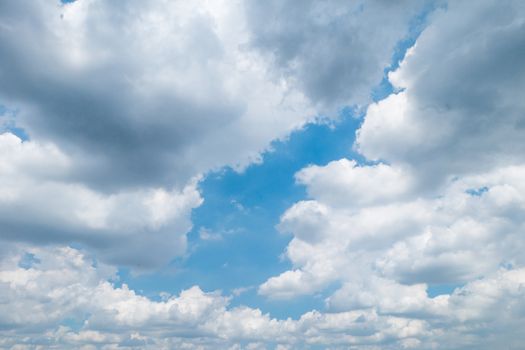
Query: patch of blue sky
(75,324)
(8,123)
(442,289)
(477,192)
(234,245)
(21,133)
(28,261)
(416,26)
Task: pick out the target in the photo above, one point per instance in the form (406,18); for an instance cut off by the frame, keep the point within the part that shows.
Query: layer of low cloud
(58,297)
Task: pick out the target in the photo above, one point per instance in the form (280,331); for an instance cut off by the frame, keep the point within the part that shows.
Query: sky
(262,174)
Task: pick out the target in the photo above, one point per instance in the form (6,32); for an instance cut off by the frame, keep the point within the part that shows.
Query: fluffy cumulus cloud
(473,228)
(459,108)
(123,227)
(440,204)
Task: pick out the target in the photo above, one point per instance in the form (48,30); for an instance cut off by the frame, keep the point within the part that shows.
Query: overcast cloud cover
(113,114)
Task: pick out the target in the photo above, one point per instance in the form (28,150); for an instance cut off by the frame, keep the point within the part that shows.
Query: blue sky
(262,175)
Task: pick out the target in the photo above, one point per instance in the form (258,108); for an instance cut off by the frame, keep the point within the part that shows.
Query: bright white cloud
(344,183)
(387,255)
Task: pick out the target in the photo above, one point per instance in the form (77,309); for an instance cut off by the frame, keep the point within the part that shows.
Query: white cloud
(345,183)
(460,109)
(387,255)
(39,204)
(452,238)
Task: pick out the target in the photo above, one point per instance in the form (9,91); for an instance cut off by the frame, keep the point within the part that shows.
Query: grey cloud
(39,206)
(126,129)
(333,50)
